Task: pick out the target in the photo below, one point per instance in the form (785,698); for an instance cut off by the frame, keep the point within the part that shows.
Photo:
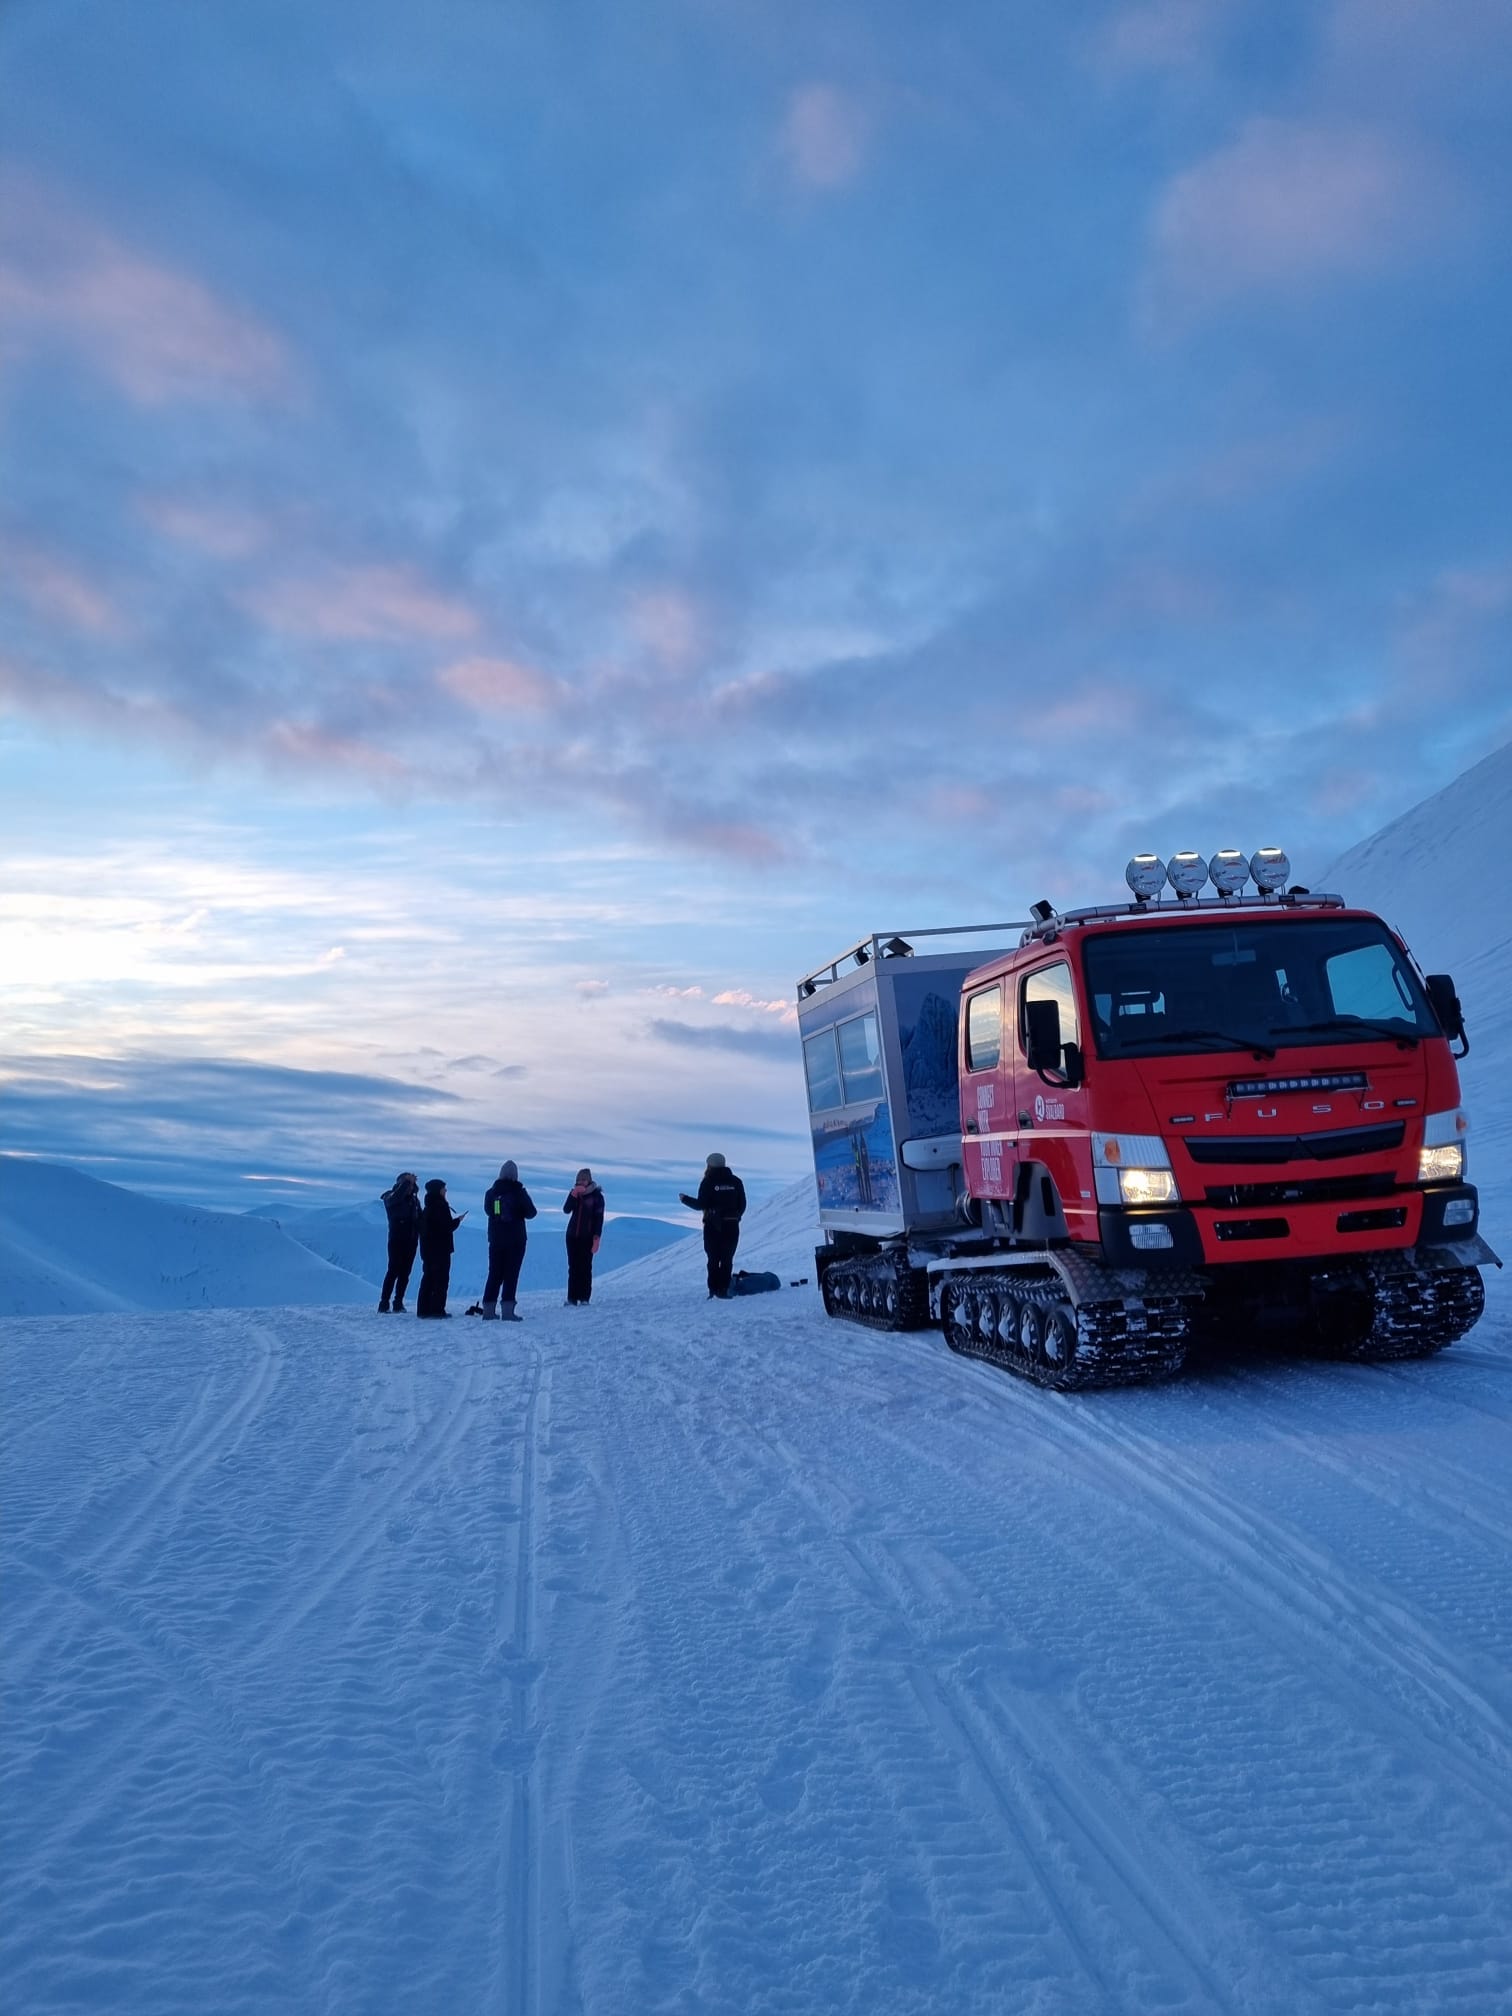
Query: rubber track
(1118,1343)
(879,1290)
(1416,1313)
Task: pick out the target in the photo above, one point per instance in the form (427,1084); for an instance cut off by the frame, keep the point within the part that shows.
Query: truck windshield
(1261,982)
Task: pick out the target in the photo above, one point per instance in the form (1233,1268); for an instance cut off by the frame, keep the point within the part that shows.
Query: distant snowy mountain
(70,1244)
(355,1237)
(1436,875)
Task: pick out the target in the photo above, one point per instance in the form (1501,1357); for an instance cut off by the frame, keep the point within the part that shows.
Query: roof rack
(894,945)
(1298,899)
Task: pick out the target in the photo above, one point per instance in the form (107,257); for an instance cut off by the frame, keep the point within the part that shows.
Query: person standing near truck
(508,1207)
(402,1203)
(437,1228)
(722,1200)
(585,1227)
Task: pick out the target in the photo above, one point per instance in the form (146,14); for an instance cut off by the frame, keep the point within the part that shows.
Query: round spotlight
(1229,870)
(1186,873)
(1270,868)
(1146,875)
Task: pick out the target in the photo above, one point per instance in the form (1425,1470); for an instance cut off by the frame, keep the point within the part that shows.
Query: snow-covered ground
(682,1656)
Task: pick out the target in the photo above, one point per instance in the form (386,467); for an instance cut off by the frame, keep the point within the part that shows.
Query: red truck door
(987,1122)
(1053,1120)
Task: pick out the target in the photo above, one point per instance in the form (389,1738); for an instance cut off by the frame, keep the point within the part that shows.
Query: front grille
(1251,1228)
(1306,1190)
(1331,1146)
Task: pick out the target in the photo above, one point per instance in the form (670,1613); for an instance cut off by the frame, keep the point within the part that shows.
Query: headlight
(1438,1165)
(1147,1186)
(1441,1159)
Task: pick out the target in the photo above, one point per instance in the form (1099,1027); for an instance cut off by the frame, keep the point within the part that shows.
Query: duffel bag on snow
(743,1283)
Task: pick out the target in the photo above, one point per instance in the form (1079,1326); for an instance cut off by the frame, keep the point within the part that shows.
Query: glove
(595,1245)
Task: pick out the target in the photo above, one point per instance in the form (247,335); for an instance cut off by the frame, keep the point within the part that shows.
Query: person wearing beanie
(437,1226)
(402,1203)
(508,1207)
(722,1200)
(585,1228)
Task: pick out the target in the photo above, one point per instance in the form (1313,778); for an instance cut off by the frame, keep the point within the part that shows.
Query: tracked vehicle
(1130,1127)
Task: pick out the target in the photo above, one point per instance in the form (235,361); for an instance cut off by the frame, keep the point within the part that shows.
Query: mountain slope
(70,1244)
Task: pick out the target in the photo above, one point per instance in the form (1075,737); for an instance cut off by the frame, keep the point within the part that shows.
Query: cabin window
(1369,982)
(860,1060)
(984,1029)
(821,1062)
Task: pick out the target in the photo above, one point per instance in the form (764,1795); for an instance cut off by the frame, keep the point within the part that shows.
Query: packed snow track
(672,1655)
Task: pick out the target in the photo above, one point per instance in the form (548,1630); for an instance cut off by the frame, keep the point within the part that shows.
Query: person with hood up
(722,1200)
(508,1206)
(437,1227)
(402,1203)
(585,1228)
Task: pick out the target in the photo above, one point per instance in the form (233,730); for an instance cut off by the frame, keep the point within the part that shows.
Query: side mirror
(1446,1006)
(1056,1062)
(1042,1042)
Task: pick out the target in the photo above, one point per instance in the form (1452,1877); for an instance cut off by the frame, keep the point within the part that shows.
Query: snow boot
(383,1308)
(399,1309)
(509,1314)
(489,1313)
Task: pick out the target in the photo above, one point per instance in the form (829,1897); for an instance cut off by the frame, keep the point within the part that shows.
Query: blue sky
(524,528)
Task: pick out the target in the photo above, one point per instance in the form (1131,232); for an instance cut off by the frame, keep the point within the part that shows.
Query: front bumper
(1446,1216)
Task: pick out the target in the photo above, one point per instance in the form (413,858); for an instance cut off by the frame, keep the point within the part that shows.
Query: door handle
(971,1126)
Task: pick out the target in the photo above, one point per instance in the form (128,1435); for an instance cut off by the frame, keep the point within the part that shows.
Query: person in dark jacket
(722,1200)
(585,1228)
(402,1204)
(508,1207)
(437,1226)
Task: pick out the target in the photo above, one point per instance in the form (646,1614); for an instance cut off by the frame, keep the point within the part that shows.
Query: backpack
(753,1284)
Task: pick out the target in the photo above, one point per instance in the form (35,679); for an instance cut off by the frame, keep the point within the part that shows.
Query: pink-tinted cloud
(312,746)
(223,531)
(1288,207)
(58,590)
(154,330)
(825,135)
(670,626)
(362,605)
(498,685)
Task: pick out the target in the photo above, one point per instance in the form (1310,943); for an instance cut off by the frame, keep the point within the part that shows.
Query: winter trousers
(721,1237)
(579,1269)
(402,1249)
(506,1255)
(435,1280)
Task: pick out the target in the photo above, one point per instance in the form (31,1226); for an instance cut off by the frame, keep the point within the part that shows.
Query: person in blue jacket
(585,1227)
(508,1208)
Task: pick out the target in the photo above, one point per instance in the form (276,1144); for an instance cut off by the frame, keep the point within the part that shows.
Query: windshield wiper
(1363,1023)
(1222,1037)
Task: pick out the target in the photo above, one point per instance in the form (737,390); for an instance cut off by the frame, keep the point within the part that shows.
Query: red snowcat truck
(1140,1125)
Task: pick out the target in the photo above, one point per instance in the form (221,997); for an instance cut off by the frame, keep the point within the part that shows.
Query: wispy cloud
(765,1043)
(155,330)
(1160,35)
(498,685)
(361,604)
(57,589)
(825,136)
(1288,207)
